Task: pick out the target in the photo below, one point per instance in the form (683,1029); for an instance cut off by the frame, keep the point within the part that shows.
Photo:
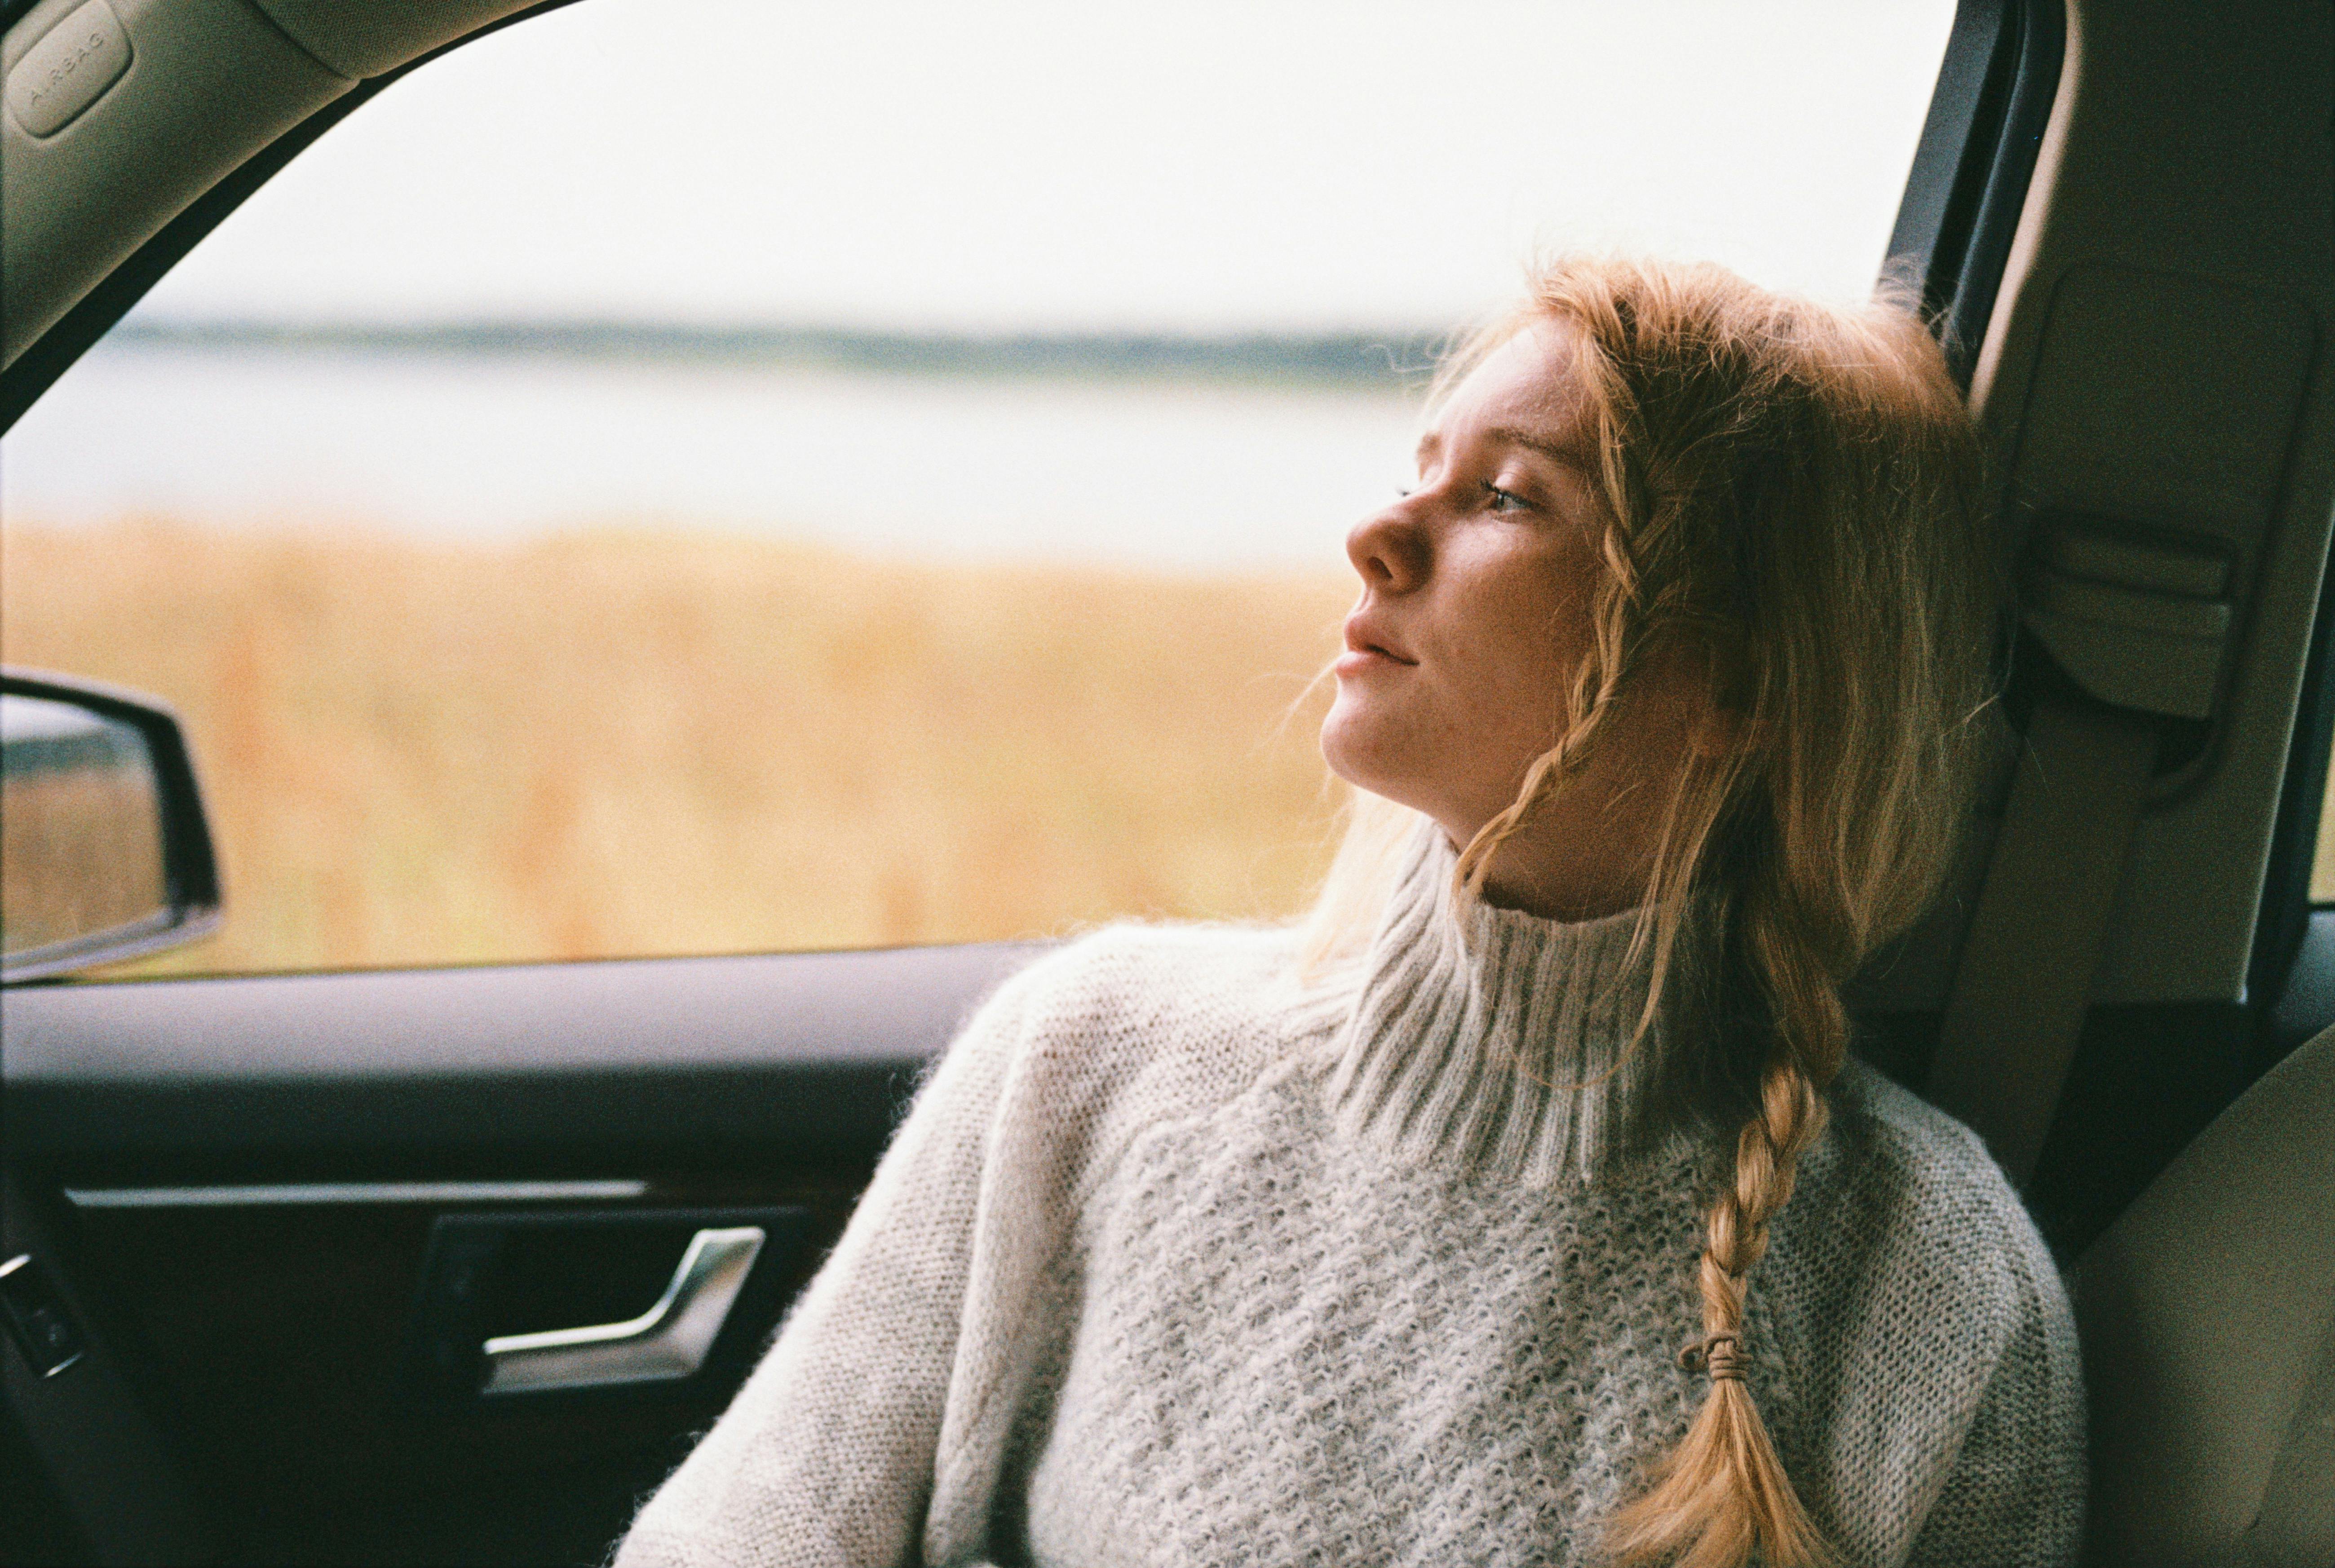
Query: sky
(1068,166)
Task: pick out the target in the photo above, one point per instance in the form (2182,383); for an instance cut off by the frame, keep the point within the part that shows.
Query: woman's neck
(1555,871)
(1521,1045)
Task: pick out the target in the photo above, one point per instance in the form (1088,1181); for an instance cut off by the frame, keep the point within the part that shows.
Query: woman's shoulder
(1133,1024)
(1150,972)
(1916,1191)
(1945,1328)
(1145,990)
(1934,1156)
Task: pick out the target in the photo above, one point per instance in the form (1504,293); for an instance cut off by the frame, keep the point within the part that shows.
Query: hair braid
(1722,1493)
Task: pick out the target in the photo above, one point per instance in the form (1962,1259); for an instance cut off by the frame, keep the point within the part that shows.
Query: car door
(287,1213)
(376,1265)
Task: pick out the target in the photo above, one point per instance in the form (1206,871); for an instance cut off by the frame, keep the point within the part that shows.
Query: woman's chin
(1356,748)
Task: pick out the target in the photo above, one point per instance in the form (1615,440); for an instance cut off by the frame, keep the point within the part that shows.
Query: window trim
(2287,912)
(1971,167)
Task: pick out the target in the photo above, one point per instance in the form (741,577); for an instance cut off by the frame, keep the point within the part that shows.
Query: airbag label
(63,74)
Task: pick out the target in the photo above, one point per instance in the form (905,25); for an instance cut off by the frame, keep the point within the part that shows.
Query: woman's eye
(1501,500)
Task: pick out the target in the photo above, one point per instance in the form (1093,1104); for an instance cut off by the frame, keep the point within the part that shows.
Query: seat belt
(2023,983)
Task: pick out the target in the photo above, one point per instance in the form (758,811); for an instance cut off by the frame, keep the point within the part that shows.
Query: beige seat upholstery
(2208,1320)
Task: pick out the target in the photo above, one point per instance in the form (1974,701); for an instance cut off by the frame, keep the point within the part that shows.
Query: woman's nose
(1389,551)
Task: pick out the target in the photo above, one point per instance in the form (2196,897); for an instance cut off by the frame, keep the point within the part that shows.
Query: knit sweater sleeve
(826,1455)
(2014,1497)
(1942,1362)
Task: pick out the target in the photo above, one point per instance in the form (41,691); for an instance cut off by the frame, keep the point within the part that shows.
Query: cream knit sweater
(1176,1263)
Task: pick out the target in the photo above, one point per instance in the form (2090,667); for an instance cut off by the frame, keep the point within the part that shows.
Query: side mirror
(104,853)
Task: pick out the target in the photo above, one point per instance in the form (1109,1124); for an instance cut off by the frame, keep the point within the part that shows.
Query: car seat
(2207,1314)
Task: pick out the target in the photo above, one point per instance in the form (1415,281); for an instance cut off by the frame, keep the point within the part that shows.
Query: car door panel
(799,1058)
(285,1347)
(244,1184)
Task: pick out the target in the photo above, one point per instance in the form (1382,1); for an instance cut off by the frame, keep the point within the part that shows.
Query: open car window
(679,478)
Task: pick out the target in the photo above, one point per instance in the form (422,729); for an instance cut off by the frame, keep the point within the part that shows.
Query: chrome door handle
(669,1341)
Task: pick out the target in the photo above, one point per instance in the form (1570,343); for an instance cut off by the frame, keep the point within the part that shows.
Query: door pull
(668,1341)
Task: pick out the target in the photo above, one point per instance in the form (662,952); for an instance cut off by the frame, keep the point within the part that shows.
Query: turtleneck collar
(1500,1039)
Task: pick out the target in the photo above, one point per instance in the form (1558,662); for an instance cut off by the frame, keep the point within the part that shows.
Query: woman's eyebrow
(1560,452)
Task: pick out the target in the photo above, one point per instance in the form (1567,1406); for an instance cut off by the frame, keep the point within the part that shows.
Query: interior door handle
(669,1341)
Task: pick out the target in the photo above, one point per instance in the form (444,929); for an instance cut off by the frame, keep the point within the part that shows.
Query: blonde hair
(1792,491)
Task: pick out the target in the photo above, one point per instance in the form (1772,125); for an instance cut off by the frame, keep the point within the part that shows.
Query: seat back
(2207,1313)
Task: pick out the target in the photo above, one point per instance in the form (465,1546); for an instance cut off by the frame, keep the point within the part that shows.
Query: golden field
(619,742)
(2322,862)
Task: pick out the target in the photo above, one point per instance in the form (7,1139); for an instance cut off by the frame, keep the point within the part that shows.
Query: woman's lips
(1361,657)
(1363,661)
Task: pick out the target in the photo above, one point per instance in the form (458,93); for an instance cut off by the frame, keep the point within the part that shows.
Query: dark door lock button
(36,1317)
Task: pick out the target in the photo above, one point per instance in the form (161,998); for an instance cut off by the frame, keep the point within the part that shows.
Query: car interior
(450,1264)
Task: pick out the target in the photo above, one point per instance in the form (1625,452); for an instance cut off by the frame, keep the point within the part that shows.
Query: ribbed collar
(1499,1040)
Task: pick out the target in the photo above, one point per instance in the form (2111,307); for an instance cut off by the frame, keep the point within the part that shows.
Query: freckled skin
(1475,611)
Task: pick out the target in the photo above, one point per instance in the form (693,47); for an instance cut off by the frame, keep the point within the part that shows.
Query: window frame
(2292,975)
(1973,166)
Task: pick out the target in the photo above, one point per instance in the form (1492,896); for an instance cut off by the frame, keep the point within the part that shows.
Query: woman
(1526,1208)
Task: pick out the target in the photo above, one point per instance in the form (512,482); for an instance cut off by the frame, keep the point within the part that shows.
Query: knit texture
(1176,1261)
(1510,1043)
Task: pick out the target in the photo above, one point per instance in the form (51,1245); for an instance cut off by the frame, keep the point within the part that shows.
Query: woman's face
(1476,591)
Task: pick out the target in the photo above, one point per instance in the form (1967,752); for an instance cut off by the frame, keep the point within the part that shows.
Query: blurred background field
(647,741)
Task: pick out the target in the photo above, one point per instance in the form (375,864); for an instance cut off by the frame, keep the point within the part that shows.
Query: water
(1187,476)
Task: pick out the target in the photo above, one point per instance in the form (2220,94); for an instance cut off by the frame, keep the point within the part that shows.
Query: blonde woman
(1527,1207)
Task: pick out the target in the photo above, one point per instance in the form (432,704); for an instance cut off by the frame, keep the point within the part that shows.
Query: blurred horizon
(1361,355)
